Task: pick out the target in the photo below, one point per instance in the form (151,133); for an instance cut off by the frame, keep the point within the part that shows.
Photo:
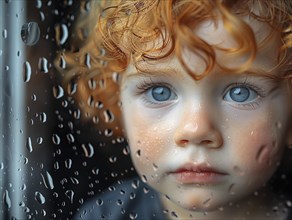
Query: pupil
(239,94)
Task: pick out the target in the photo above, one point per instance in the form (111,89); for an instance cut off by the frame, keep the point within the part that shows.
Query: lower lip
(191,177)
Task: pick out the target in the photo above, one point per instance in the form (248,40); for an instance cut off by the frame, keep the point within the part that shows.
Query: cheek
(258,147)
(149,143)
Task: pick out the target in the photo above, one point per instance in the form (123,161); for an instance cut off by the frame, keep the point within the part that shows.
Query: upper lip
(198,168)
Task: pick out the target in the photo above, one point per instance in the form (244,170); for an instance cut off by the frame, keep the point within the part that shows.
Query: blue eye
(241,94)
(159,94)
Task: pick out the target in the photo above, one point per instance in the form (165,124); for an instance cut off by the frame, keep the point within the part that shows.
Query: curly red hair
(122,28)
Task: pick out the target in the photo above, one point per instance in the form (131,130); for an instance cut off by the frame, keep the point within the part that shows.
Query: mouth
(198,174)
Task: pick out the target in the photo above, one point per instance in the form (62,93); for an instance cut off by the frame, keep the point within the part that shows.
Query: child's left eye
(241,94)
(160,94)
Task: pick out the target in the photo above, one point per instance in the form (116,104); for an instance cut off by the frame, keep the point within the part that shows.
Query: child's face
(206,143)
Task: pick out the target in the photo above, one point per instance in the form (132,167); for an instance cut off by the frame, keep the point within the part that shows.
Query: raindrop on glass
(61,33)
(88,150)
(43,117)
(29,144)
(7,199)
(144,178)
(113,159)
(135,184)
(26,71)
(4,33)
(40,140)
(56,139)
(99,202)
(30,33)
(95,171)
(40,198)
(133,215)
(70,138)
(72,88)
(48,180)
(38,3)
(58,92)
(138,153)
(70,195)
(43,65)
(62,62)
(108,116)
(74,180)
(68,163)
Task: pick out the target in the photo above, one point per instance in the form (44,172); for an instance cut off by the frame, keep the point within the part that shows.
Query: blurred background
(51,161)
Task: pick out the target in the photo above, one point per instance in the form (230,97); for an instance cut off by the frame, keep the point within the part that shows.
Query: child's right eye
(160,93)
(154,93)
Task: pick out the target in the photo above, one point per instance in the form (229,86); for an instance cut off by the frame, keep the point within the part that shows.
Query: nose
(197,128)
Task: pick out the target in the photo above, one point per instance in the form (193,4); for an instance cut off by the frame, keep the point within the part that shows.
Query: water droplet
(230,189)
(29,144)
(108,132)
(126,151)
(95,119)
(138,153)
(70,195)
(88,150)
(61,33)
(48,180)
(26,71)
(43,65)
(7,199)
(43,212)
(68,163)
(72,88)
(289,203)
(25,161)
(43,117)
(4,33)
(132,195)
(56,165)
(40,198)
(155,167)
(112,159)
(56,139)
(95,171)
(70,138)
(74,180)
(144,178)
(120,202)
(30,33)
(278,124)
(108,116)
(135,184)
(133,215)
(174,214)
(40,140)
(62,62)
(99,202)
(261,154)
(38,3)
(58,92)
(87,60)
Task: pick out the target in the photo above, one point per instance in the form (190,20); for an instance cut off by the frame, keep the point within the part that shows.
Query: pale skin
(235,125)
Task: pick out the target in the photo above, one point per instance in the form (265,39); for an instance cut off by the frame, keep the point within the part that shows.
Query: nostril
(206,142)
(184,141)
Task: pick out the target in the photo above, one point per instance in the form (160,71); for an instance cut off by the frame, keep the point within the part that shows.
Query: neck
(264,205)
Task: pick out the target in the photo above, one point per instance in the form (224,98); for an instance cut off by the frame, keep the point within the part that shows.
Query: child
(205,96)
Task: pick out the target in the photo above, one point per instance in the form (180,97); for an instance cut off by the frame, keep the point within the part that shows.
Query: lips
(198,174)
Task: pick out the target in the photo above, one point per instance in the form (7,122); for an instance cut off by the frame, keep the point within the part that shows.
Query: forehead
(216,34)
